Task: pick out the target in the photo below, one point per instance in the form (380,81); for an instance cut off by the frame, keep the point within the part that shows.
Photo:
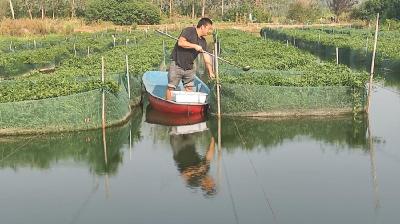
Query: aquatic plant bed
(284,80)
(387,48)
(69,98)
(24,55)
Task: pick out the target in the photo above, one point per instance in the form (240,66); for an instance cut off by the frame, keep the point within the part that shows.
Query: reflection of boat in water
(155,83)
(179,123)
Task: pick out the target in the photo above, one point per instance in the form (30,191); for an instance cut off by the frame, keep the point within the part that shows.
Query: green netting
(262,100)
(85,147)
(79,111)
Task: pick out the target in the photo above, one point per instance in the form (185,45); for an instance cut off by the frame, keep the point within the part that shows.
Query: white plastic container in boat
(189,97)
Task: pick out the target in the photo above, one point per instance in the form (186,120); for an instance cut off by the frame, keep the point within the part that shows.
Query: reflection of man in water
(193,167)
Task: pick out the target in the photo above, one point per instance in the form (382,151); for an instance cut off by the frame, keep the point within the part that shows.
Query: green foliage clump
(125,12)
(304,11)
(241,13)
(388,9)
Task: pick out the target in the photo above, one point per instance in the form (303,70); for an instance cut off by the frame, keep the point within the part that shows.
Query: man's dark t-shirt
(184,57)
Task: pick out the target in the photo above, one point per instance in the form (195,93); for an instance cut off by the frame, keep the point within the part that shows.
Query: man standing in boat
(191,42)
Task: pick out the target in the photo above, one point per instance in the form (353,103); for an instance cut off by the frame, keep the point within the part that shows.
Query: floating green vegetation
(275,64)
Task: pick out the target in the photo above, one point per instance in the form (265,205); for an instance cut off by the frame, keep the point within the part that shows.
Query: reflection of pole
(373,168)
(219,134)
(372,64)
(130,143)
(219,151)
(107,185)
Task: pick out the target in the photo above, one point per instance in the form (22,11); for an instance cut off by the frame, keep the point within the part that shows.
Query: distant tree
(340,6)
(122,12)
(304,11)
(388,9)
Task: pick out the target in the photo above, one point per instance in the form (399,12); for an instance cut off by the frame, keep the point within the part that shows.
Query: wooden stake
(373,63)
(103,113)
(113,40)
(164,57)
(337,55)
(217,79)
(12,10)
(74,50)
(127,76)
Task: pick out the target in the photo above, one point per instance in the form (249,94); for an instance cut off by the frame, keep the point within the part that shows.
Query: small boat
(155,83)
(171,119)
(179,124)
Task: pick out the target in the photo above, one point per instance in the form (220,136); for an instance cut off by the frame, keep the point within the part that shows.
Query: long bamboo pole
(217,78)
(371,77)
(103,114)
(127,76)
(12,10)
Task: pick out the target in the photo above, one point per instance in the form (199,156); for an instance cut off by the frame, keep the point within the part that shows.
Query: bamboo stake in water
(373,63)
(103,114)
(217,79)
(74,50)
(287,43)
(127,76)
(163,65)
(337,56)
(88,51)
(113,40)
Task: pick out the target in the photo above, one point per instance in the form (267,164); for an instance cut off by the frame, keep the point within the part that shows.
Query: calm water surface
(309,170)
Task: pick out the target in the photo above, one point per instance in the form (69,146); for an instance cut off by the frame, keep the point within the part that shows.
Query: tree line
(126,12)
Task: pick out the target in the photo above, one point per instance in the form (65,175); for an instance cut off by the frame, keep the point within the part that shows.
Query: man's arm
(208,64)
(184,43)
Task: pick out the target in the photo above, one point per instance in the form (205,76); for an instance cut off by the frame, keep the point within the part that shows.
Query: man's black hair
(204,21)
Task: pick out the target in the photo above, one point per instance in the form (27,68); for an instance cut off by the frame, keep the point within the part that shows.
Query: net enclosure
(283,80)
(78,111)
